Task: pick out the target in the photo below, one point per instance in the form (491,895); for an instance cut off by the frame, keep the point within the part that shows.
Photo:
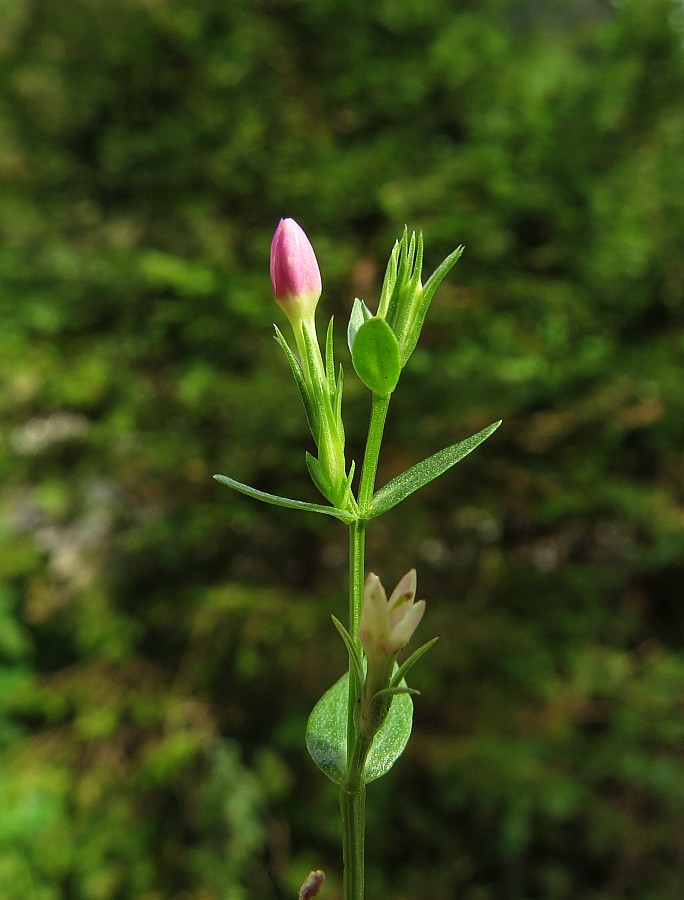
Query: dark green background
(162,639)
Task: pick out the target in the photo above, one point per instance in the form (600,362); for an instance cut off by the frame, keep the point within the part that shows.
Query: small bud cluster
(381,344)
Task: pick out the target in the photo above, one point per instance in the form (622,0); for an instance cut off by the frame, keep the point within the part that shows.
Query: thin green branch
(372,452)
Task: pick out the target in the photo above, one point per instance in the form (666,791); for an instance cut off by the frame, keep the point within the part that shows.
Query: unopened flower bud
(295,275)
(386,626)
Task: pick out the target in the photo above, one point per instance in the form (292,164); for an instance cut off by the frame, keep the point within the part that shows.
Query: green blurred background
(162,640)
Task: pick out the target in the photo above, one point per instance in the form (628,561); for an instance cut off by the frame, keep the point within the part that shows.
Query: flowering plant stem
(359,727)
(353,788)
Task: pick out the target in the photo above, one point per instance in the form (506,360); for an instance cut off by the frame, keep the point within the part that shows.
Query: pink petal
(401,633)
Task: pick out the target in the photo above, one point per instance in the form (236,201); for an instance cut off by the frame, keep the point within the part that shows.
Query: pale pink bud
(387,625)
(312,885)
(295,275)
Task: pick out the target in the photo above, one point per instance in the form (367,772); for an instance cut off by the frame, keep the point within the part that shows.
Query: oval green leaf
(326,734)
(375,355)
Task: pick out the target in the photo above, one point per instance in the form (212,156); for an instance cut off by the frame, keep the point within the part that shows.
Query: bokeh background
(162,640)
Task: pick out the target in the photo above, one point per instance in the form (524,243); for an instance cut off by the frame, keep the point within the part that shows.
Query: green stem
(372,453)
(353,790)
(357,541)
(353,810)
(357,544)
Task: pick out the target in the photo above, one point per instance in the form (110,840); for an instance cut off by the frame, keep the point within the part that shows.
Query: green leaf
(326,734)
(375,355)
(340,514)
(359,314)
(424,472)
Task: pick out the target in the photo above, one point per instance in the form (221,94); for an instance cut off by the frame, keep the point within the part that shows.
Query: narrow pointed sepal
(354,655)
(409,663)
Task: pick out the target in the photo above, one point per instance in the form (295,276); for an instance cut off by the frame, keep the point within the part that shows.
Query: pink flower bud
(387,625)
(295,275)
(312,885)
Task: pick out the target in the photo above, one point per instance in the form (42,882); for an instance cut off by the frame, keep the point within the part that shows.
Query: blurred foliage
(163,640)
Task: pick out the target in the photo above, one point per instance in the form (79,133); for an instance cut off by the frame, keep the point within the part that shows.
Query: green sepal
(247,489)
(404,270)
(375,356)
(337,398)
(409,663)
(359,314)
(440,273)
(396,691)
(354,654)
(326,734)
(390,278)
(421,307)
(317,476)
(298,374)
(424,472)
(318,384)
(330,359)
(348,494)
(408,293)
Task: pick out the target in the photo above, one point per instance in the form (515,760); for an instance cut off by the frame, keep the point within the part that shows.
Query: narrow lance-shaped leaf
(247,489)
(426,471)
